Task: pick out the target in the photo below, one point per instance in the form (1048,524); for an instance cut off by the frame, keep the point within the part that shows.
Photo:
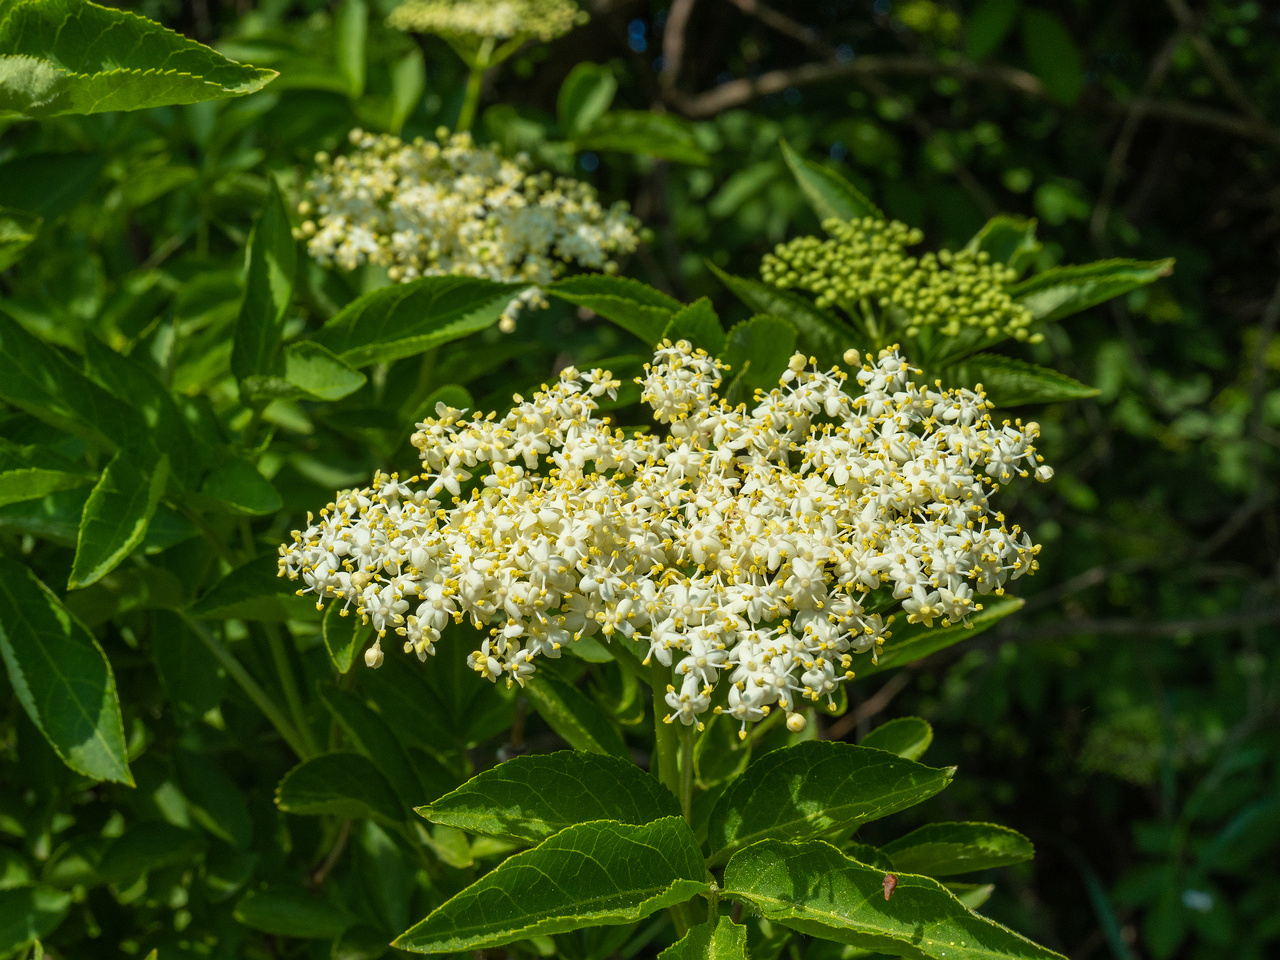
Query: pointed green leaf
(407,318)
(1062,291)
(215,800)
(972,895)
(573,715)
(757,351)
(831,195)
(18,228)
(1008,240)
(905,737)
(27,913)
(340,784)
(286,912)
(987,25)
(815,788)
(32,483)
(529,798)
(238,486)
(115,517)
(720,939)
(344,636)
(318,373)
(585,95)
(70,56)
(634,306)
(662,135)
(942,849)
(145,847)
(61,676)
(813,888)
(913,641)
(1009,382)
(190,673)
(698,324)
(1054,57)
(350,26)
(270,264)
(252,591)
(821,334)
(587,875)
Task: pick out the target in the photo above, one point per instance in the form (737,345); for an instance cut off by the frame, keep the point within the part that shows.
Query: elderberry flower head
(501,19)
(863,269)
(755,551)
(453,208)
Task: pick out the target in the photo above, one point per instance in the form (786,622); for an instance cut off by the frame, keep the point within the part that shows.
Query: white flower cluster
(425,209)
(500,19)
(762,546)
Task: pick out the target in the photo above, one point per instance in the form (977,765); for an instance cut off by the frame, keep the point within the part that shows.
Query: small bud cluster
(501,19)
(864,270)
(452,208)
(756,548)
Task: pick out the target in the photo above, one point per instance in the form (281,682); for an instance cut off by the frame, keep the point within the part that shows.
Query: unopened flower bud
(373,656)
(796,722)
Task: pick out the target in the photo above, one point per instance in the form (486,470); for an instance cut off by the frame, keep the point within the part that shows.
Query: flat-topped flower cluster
(501,19)
(758,548)
(453,208)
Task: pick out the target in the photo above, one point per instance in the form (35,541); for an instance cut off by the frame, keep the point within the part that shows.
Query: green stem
(289,684)
(250,686)
(686,774)
(475,84)
(666,745)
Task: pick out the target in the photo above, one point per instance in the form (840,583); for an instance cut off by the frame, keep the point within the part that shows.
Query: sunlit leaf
(903,736)
(719,939)
(942,849)
(116,516)
(831,195)
(632,305)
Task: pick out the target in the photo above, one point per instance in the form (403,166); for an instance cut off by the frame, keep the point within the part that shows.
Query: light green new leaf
(1054,57)
(238,486)
(18,228)
(344,636)
(572,714)
(529,798)
(1008,240)
(270,265)
(116,516)
(821,333)
(910,642)
(720,939)
(291,913)
(342,784)
(1009,382)
(584,97)
(661,135)
(33,483)
(814,888)
(698,324)
(943,849)
(1062,291)
(815,788)
(70,56)
(587,875)
(831,195)
(61,676)
(318,373)
(907,737)
(634,306)
(407,318)
(28,913)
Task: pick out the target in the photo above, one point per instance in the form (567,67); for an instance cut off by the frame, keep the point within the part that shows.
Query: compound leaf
(1062,291)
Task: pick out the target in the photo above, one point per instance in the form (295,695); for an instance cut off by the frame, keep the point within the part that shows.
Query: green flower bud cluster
(864,270)
(500,19)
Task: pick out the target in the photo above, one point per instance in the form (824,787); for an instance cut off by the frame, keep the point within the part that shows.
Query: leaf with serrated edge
(913,641)
(943,849)
(115,517)
(572,714)
(61,676)
(720,939)
(343,784)
(813,888)
(1008,240)
(270,265)
(815,788)
(821,333)
(904,737)
(639,131)
(532,797)
(634,306)
(698,324)
(831,195)
(1010,382)
(1062,291)
(588,875)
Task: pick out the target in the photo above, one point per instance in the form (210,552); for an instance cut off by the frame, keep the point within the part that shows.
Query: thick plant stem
(666,739)
(686,774)
(289,684)
(475,85)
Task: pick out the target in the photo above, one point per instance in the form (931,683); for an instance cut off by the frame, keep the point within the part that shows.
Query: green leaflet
(698,324)
(813,888)
(32,483)
(757,351)
(589,874)
(1054,56)
(28,913)
(1008,239)
(287,912)
(661,135)
(636,307)
(116,516)
(585,95)
(529,798)
(252,591)
(270,265)
(831,195)
(821,334)
(815,788)
(344,636)
(145,847)
(342,784)
(69,56)
(214,799)
(905,737)
(407,318)
(18,228)
(1062,291)
(351,26)
(190,674)
(239,487)
(1009,382)
(61,676)
(720,939)
(942,849)
(915,640)
(572,714)
(318,374)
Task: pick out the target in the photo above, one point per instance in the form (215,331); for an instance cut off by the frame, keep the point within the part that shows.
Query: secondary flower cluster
(864,270)
(758,548)
(426,209)
(501,19)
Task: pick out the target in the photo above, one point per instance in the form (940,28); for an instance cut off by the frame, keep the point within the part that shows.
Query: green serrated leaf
(719,939)
(270,265)
(815,788)
(407,318)
(116,516)
(1062,291)
(530,798)
(239,487)
(287,912)
(319,374)
(573,715)
(1008,240)
(18,228)
(821,334)
(341,784)
(757,351)
(634,306)
(907,737)
(815,889)
(698,324)
(252,591)
(70,56)
(344,636)
(587,875)
(943,849)
(61,676)
(27,913)
(32,483)
(1009,382)
(831,195)
(661,135)
(585,95)
(913,641)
